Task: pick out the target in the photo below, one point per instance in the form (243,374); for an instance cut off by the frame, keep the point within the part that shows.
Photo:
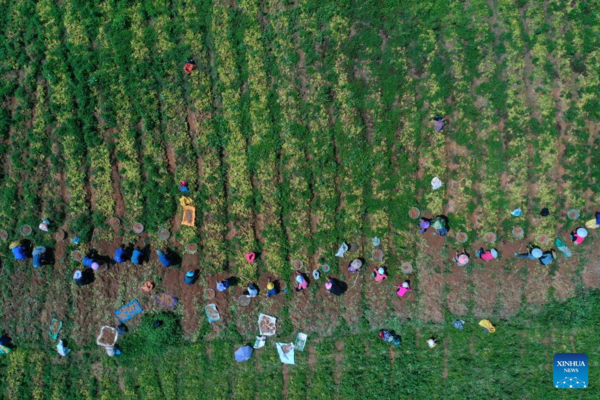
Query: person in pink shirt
(301,281)
(379,274)
(403,289)
(579,235)
(489,255)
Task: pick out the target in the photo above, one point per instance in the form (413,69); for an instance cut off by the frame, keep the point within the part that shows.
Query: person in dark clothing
(190,277)
(84,277)
(334,287)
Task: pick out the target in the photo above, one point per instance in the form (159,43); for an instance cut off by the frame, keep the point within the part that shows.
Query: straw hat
(537,253)
(582,232)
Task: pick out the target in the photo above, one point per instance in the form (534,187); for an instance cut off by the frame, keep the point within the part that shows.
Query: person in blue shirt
(547,257)
(190,277)
(136,256)
(19,250)
(120,254)
(38,254)
(89,260)
(163,258)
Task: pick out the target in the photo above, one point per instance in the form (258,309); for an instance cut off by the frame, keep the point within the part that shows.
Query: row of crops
(514,361)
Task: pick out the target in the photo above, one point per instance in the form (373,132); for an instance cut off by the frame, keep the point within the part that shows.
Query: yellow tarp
(591,224)
(487,325)
(185,201)
(189,216)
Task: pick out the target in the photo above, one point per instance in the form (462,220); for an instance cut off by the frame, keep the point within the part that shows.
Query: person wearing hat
(432,343)
(163,258)
(579,235)
(461,259)
(533,253)
(547,257)
(403,289)
(89,261)
(438,123)
(183,187)
(251,291)
(38,256)
(379,274)
(223,285)
(84,277)
(301,281)
(44,225)
(424,224)
(136,256)
(250,257)
(355,265)
(333,287)
(271,289)
(190,277)
(19,250)
(489,255)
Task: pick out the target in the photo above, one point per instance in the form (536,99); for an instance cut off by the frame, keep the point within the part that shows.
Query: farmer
(190,277)
(379,274)
(136,256)
(44,225)
(89,260)
(403,289)
(183,187)
(355,265)
(164,258)
(547,257)
(251,291)
(438,123)
(533,253)
(432,343)
(301,281)
(333,287)
(579,235)
(190,64)
(19,250)
(390,337)
(271,289)
(489,255)
(120,254)
(84,277)
(440,224)
(424,224)
(461,259)
(223,285)
(250,257)
(39,256)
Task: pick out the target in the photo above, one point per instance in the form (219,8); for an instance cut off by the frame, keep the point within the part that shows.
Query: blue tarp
(128,311)
(243,353)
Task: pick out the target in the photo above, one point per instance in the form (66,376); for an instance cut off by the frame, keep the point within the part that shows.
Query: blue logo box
(570,371)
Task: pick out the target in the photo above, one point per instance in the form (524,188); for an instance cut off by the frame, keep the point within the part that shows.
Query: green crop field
(305,124)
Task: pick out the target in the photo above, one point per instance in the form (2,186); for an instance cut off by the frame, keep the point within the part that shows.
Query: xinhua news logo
(570,371)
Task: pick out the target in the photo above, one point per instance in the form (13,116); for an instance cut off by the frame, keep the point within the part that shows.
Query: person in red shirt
(488,255)
(379,274)
(403,289)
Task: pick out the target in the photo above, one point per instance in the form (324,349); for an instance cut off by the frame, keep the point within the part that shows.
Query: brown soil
(458,297)
(108,337)
(352,311)
(119,203)
(165,300)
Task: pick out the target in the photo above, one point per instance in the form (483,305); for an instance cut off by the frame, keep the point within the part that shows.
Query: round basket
(406,268)
(209,294)
(114,222)
(542,238)
(325,268)
(137,228)
(462,237)
(518,232)
(490,237)
(191,248)
(353,247)
(103,267)
(573,214)
(26,230)
(59,236)
(77,255)
(297,264)
(377,255)
(244,301)
(414,213)
(282,285)
(164,234)
(3,234)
